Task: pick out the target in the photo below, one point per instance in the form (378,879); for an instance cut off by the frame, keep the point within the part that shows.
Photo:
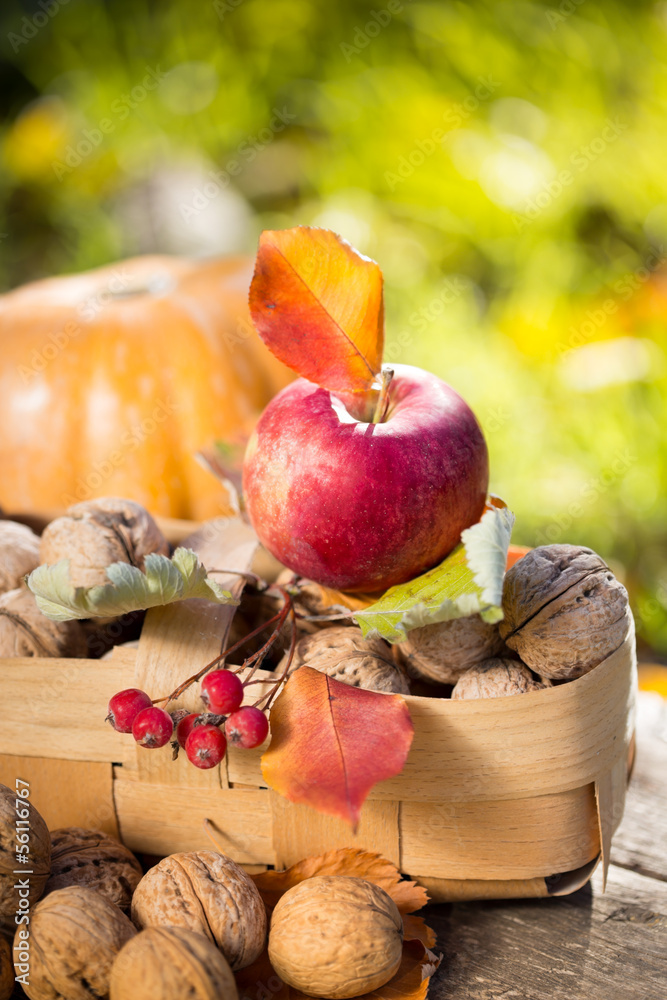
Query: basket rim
(562,693)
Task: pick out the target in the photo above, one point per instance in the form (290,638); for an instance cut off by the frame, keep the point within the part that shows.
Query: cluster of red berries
(199,734)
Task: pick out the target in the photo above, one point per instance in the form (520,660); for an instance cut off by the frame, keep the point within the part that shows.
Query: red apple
(360,506)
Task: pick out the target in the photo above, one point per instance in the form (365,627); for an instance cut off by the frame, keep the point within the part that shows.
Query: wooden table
(587,946)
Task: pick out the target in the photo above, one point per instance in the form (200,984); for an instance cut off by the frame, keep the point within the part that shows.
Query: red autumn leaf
(317,305)
(330,743)
(418,964)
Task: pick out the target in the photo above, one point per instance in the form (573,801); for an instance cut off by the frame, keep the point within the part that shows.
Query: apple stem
(383,399)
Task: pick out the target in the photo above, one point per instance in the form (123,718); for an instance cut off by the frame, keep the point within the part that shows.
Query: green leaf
(163,582)
(469,581)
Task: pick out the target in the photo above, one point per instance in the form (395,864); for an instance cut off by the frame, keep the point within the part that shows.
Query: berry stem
(328,618)
(209,666)
(256,658)
(271,695)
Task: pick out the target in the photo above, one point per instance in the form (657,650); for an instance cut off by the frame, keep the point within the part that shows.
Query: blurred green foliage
(502,161)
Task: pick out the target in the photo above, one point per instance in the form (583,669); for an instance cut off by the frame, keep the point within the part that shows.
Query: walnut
(334,936)
(565,611)
(75,934)
(95,860)
(96,533)
(13,818)
(171,963)
(345,655)
(19,554)
(209,893)
(25,631)
(444,651)
(496,678)
(6,969)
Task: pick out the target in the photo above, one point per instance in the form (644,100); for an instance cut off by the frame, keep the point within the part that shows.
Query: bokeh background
(504,162)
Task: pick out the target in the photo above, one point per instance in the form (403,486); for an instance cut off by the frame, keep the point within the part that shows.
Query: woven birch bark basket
(499,798)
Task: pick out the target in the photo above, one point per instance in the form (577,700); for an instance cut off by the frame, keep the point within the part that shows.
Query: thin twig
(256,659)
(288,665)
(226,652)
(327,618)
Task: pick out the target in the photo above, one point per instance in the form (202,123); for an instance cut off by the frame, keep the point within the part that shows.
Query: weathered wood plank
(639,843)
(586,946)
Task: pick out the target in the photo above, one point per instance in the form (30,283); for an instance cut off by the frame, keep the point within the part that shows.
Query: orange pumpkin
(112,380)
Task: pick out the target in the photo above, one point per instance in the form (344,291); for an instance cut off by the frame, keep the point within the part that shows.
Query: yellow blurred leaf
(37,138)
(653,677)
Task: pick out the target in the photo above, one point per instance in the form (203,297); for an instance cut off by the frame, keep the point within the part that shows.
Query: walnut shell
(171,963)
(6,969)
(39,854)
(25,631)
(496,678)
(345,655)
(209,893)
(443,651)
(19,554)
(96,533)
(565,611)
(95,860)
(334,936)
(75,934)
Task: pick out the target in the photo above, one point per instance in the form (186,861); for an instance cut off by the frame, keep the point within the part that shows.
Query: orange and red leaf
(317,304)
(330,743)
